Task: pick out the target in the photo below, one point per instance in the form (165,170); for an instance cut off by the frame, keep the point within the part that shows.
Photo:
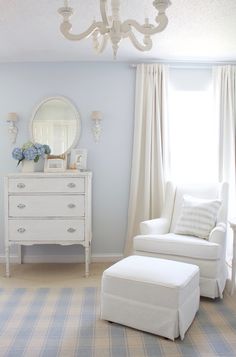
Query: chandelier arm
(139,46)
(103,10)
(66,27)
(100,47)
(147,29)
(111,28)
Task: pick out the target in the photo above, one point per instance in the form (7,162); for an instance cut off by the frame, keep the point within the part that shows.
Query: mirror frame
(77,117)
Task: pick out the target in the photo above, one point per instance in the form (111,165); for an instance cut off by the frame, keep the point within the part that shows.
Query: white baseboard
(13,259)
(96,258)
(106,258)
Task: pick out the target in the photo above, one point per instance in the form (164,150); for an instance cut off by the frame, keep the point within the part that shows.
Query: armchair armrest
(218,234)
(155,226)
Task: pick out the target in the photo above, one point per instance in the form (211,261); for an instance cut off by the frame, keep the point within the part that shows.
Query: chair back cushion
(209,191)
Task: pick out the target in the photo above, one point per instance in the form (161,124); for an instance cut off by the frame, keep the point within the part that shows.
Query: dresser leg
(89,252)
(87,258)
(19,254)
(7,256)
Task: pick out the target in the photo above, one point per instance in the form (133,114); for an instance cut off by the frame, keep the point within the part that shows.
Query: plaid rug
(65,322)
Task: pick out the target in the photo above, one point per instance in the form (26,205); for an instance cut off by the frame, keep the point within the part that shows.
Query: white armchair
(158,239)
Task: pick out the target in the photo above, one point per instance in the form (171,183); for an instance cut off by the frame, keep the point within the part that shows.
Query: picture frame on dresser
(55,163)
(78,159)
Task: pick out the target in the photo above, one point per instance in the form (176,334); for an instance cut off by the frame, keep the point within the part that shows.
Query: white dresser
(48,208)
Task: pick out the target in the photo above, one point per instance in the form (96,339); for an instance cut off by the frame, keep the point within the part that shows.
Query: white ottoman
(150,294)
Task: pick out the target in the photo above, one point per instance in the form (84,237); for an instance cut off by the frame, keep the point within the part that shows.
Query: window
(193,127)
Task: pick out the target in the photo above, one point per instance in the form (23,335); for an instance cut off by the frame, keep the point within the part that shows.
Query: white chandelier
(112,28)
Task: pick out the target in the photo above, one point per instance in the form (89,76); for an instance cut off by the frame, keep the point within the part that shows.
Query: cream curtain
(150,148)
(225,86)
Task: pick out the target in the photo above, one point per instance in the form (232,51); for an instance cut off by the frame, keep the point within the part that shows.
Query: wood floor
(51,275)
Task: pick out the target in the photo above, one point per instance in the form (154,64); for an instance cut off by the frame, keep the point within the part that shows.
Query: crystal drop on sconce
(96,117)
(12,128)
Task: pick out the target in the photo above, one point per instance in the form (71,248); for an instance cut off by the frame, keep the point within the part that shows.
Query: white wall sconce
(96,117)
(12,128)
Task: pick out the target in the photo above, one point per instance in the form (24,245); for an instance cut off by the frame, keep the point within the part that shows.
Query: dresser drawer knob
(21,230)
(71,230)
(21,185)
(71,185)
(21,205)
(71,205)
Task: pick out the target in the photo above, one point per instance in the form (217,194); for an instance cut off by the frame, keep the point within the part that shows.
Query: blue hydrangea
(17,154)
(31,153)
(27,145)
(47,149)
(40,149)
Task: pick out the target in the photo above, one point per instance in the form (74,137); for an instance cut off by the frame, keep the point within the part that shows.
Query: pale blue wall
(108,87)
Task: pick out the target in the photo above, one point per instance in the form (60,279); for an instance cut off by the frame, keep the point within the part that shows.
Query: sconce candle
(96,115)
(12,117)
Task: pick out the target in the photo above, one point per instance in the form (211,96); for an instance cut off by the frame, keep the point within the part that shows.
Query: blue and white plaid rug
(65,322)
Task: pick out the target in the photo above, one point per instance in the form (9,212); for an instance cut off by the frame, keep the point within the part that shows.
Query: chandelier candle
(112,28)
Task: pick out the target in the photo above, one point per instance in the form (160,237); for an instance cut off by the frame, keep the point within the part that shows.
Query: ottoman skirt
(150,294)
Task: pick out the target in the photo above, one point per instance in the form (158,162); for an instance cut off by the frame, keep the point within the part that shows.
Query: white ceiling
(198,30)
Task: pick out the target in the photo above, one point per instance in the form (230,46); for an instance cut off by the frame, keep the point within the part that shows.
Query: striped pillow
(198,217)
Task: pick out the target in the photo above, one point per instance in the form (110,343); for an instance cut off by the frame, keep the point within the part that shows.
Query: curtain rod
(186,64)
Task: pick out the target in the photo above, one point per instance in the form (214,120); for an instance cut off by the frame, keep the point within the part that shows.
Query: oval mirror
(56,122)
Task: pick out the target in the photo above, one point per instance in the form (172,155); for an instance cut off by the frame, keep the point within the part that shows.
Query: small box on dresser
(48,208)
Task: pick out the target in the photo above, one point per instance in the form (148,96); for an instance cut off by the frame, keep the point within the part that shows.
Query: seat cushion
(175,244)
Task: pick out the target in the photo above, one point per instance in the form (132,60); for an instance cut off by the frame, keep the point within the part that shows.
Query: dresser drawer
(46,230)
(40,184)
(47,206)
